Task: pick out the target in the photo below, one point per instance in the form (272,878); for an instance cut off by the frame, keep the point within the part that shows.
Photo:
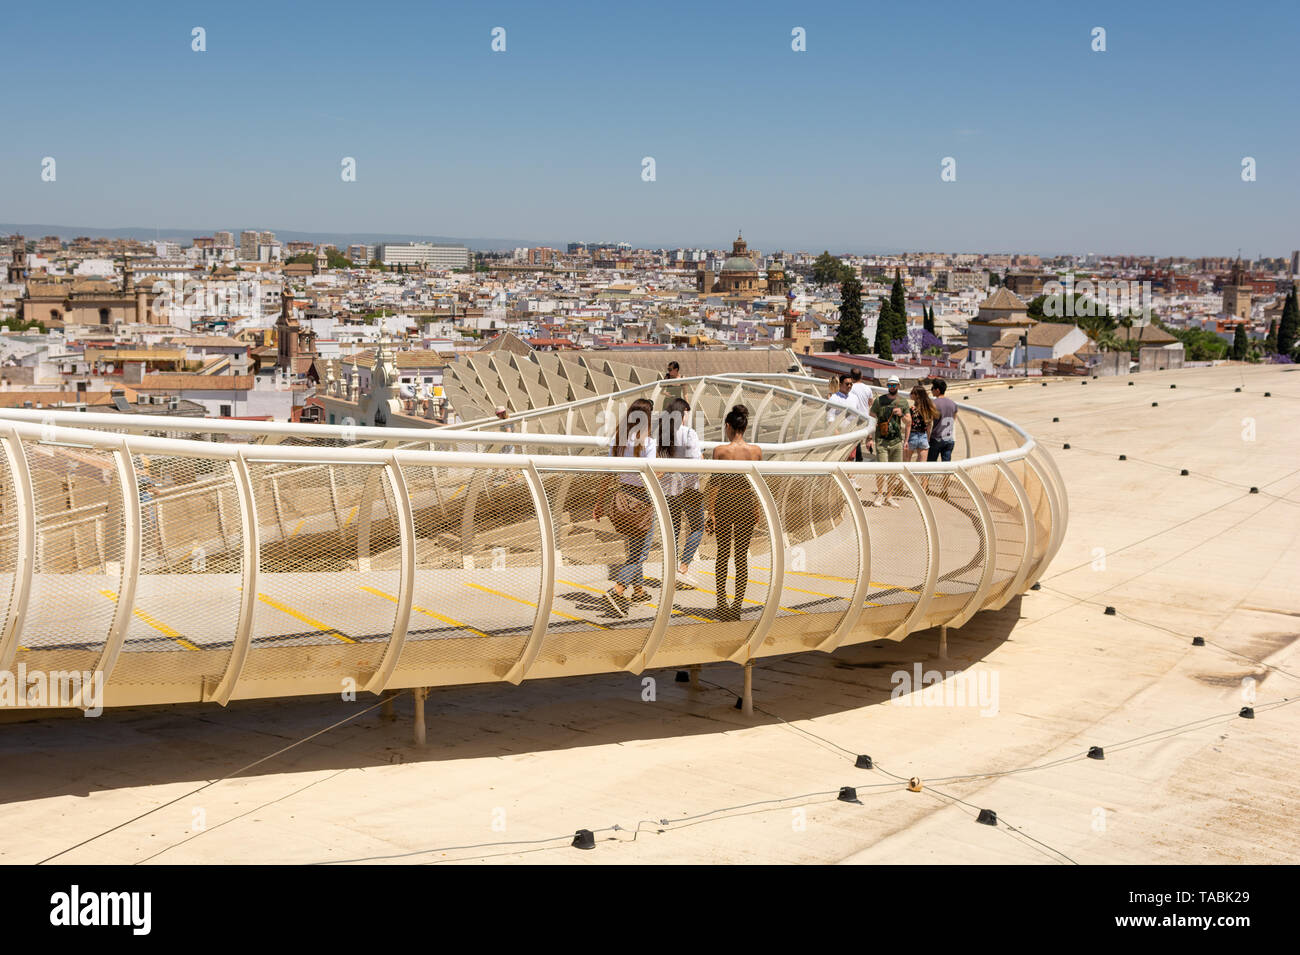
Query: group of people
(909,428)
(727,507)
(913,428)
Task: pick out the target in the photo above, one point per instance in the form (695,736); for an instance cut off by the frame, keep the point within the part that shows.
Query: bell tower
(18,264)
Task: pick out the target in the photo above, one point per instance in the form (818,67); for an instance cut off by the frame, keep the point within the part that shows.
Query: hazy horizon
(1058,148)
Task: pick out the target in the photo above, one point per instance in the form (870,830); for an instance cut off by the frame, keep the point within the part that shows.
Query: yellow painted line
(430,613)
(303,617)
(844,580)
(162,628)
(458,490)
(299,527)
(558,613)
(761,603)
(596,590)
(351,514)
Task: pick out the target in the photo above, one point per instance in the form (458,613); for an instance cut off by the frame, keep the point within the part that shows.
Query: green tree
(1288,330)
(1200,345)
(927,321)
(1240,344)
(1270,340)
(898,302)
(884,329)
(994,280)
(827,270)
(848,336)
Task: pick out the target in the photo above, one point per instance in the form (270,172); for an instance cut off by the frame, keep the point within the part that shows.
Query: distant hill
(342,240)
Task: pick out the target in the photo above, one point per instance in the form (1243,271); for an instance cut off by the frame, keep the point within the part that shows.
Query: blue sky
(1058,148)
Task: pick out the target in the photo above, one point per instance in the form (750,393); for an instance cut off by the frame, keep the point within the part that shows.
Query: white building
(424,253)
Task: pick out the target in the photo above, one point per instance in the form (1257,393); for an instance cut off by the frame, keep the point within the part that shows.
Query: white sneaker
(890,502)
(686,580)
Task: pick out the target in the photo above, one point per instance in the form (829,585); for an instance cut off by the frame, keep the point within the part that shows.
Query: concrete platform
(510,772)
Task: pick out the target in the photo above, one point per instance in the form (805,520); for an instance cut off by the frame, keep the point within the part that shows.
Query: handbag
(630,513)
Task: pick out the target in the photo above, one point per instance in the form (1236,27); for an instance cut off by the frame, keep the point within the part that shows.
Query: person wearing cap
(892,424)
(502,414)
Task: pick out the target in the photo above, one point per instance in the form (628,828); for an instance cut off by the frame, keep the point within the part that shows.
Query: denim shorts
(918,441)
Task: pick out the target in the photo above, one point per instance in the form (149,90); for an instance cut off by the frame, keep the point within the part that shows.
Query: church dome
(738,263)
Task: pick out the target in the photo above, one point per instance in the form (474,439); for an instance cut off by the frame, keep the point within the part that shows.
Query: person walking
(923,414)
(731,512)
(677,439)
(892,424)
(629,507)
(942,434)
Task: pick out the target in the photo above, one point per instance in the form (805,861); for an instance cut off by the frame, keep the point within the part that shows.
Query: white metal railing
(386,566)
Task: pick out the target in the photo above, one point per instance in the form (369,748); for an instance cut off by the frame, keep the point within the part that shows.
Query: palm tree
(1107,340)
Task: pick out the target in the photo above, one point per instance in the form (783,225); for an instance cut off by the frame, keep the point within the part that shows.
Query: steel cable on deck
(231,775)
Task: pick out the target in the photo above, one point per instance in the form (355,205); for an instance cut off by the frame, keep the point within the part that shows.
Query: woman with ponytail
(731,512)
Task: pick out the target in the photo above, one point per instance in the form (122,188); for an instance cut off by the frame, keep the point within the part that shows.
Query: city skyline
(830,147)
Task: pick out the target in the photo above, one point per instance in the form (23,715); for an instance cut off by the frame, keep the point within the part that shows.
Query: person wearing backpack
(892,425)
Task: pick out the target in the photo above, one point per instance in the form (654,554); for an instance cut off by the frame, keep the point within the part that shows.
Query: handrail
(26,554)
(130,574)
(250,538)
(289,660)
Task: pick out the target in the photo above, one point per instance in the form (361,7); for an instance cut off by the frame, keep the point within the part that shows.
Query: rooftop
(1183,779)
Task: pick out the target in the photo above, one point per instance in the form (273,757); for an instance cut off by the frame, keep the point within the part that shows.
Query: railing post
(25,558)
(1053,515)
(862,532)
(668,586)
(546,599)
(1062,517)
(1027,523)
(976,601)
(932,567)
(132,536)
(248,594)
(378,681)
(776,584)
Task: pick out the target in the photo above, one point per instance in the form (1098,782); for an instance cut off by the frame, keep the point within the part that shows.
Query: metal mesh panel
(586,632)
(186,596)
(1042,509)
(1050,474)
(80,547)
(709,621)
(9,508)
(478,575)
(900,554)
(963,547)
(327,531)
(1004,510)
(822,561)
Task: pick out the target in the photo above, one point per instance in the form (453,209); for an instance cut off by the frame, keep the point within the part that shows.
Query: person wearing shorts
(885,448)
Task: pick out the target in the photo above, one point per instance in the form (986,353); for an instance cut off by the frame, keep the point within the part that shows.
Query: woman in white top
(678,440)
(629,506)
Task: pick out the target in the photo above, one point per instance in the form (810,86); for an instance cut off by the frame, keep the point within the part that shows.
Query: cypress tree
(898,302)
(884,329)
(1239,344)
(928,318)
(1289,327)
(1270,340)
(848,336)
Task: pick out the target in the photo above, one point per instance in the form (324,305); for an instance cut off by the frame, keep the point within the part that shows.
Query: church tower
(287,331)
(18,264)
(1236,293)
